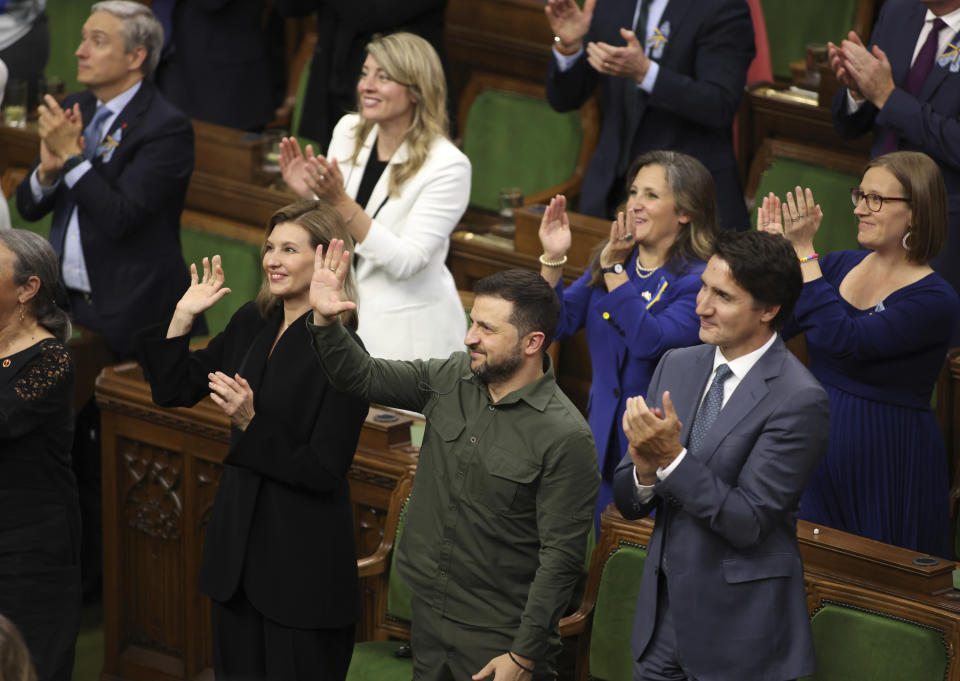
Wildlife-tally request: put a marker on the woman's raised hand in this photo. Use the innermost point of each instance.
(621, 242)
(199, 297)
(801, 220)
(294, 166)
(768, 215)
(555, 229)
(326, 287)
(203, 293)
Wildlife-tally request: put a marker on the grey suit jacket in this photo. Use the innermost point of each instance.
(725, 537)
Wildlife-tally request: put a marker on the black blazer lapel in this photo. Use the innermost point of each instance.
(674, 15)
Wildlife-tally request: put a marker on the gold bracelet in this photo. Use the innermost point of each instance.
(547, 263)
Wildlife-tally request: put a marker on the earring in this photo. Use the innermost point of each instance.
(21, 312)
(906, 237)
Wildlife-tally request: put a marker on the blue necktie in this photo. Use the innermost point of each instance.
(709, 409)
(91, 140)
(93, 133)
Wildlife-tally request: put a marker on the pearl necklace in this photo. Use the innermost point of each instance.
(644, 272)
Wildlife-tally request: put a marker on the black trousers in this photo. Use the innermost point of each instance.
(249, 647)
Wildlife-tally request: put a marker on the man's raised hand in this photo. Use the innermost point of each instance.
(330, 270)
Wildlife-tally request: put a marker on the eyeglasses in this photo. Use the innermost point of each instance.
(874, 201)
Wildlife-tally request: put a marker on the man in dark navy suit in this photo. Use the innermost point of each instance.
(114, 165)
(733, 434)
(671, 74)
(906, 90)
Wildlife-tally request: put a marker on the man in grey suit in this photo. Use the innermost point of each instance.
(736, 430)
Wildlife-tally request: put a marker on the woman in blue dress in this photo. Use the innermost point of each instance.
(878, 323)
(638, 298)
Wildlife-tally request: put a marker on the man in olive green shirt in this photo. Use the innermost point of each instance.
(497, 523)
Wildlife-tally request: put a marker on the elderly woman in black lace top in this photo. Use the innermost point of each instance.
(39, 511)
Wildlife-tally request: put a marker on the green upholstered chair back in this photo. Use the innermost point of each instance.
(791, 26)
(610, 657)
(241, 266)
(857, 643)
(514, 139)
(377, 659)
(399, 594)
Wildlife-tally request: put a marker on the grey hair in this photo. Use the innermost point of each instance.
(141, 28)
(34, 257)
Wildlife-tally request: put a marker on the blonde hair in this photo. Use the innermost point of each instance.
(411, 61)
(322, 223)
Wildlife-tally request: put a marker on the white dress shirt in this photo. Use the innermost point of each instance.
(739, 369)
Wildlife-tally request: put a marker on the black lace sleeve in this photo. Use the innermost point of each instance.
(39, 392)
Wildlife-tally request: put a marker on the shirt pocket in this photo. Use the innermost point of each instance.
(510, 482)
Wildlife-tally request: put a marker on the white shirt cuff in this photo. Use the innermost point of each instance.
(79, 171)
(853, 106)
(650, 79)
(565, 61)
(645, 492)
(38, 190)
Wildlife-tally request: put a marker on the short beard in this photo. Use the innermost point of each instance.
(499, 372)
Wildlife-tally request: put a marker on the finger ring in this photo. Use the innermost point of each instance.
(764, 224)
(626, 237)
(320, 176)
(801, 215)
(332, 269)
(794, 219)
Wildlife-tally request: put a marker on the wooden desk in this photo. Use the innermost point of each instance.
(160, 473)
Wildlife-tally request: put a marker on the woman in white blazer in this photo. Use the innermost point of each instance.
(402, 187)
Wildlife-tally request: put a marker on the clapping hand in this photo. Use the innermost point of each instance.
(630, 61)
(568, 22)
(326, 287)
(234, 396)
(294, 166)
(199, 297)
(768, 215)
(555, 229)
(621, 242)
(653, 435)
(325, 178)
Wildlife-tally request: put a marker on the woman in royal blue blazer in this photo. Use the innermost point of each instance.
(638, 298)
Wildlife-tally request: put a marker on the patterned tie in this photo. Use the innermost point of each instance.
(709, 409)
(92, 134)
(922, 66)
(91, 140)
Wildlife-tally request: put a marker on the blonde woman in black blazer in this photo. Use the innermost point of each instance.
(279, 562)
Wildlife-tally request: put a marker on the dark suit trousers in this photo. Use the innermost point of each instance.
(249, 647)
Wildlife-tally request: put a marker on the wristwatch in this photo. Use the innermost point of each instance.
(71, 163)
(613, 269)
